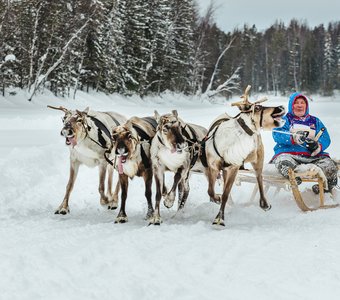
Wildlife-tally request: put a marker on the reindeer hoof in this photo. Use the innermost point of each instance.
(112, 205)
(168, 201)
(155, 220)
(216, 200)
(168, 204)
(219, 221)
(121, 220)
(265, 206)
(104, 201)
(149, 215)
(268, 207)
(62, 211)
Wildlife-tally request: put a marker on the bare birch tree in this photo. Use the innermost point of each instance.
(200, 54)
(42, 77)
(230, 85)
(33, 49)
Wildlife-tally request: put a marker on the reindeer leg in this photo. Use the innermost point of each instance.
(164, 190)
(113, 198)
(109, 181)
(113, 204)
(159, 179)
(169, 199)
(63, 208)
(148, 192)
(102, 174)
(124, 183)
(183, 191)
(180, 193)
(258, 167)
(229, 175)
(212, 176)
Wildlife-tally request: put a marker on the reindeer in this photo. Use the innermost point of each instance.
(174, 148)
(233, 141)
(130, 155)
(87, 134)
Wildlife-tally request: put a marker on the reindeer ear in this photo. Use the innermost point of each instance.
(86, 110)
(175, 113)
(157, 116)
(128, 126)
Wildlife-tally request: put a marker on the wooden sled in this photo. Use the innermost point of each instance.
(308, 176)
(279, 182)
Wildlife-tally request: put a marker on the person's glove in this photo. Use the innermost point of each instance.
(313, 147)
(299, 137)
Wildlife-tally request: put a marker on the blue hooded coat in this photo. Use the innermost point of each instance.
(285, 142)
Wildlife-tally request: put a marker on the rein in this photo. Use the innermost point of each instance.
(213, 128)
(244, 126)
(195, 144)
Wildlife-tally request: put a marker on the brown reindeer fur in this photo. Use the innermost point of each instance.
(131, 156)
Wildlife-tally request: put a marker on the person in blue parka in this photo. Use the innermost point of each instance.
(303, 139)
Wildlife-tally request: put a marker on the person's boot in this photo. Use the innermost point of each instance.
(316, 189)
(298, 180)
(284, 166)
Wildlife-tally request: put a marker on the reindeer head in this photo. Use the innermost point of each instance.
(74, 125)
(170, 131)
(263, 116)
(124, 141)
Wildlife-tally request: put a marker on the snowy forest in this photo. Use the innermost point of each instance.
(147, 47)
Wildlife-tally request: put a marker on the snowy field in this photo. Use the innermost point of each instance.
(279, 254)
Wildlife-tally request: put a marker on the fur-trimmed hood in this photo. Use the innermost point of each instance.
(292, 99)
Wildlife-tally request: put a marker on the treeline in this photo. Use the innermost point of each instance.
(143, 47)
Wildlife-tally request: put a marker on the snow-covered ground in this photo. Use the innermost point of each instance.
(279, 254)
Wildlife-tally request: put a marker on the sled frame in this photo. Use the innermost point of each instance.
(279, 182)
(310, 176)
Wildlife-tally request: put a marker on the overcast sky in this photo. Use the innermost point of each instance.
(263, 13)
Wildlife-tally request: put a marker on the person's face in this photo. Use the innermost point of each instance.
(299, 107)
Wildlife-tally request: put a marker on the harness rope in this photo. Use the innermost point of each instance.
(195, 145)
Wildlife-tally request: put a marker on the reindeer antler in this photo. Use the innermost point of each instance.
(245, 98)
(263, 99)
(58, 108)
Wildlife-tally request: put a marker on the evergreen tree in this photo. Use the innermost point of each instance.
(113, 41)
(337, 55)
(310, 68)
(137, 46)
(327, 65)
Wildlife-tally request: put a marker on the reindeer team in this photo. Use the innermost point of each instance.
(148, 147)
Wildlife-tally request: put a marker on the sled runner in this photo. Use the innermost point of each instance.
(309, 176)
(271, 178)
